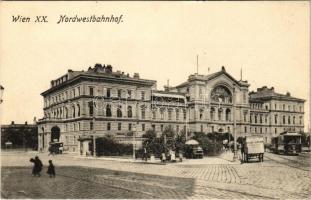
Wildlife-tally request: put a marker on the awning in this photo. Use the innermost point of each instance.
(192, 142)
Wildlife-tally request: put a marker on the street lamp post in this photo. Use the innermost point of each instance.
(234, 125)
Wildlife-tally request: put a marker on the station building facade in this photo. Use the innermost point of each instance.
(81, 105)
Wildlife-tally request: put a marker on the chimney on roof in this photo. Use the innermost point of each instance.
(70, 70)
(136, 75)
(26, 122)
(272, 89)
(288, 94)
(223, 69)
(12, 123)
(109, 69)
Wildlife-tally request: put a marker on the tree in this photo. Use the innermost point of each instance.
(211, 143)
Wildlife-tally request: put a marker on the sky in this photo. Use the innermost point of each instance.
(269, 41)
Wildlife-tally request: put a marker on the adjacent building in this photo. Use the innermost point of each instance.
(82, 105)
(19, 136)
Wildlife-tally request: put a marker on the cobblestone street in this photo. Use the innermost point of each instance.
(278, 177)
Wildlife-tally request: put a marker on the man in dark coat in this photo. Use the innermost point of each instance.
(51, 169)
(37, 166)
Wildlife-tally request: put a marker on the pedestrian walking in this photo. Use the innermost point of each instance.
(145, 157)
(242, 152)
(33, 168)
(37, 167)
(51, 169)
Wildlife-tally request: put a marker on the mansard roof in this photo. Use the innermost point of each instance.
(197, 77)
(97, 73)
(264, 93)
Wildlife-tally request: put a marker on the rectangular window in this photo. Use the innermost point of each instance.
(119, 126)
(130, 127)
(154, 114)
(74, 93)
(177, 128)
(91, 89)
(245, 129)
(108, 126)
(185, 114)
(79, 92)
(161, 127)
(108, 93)
(143, 127)
(91, 126)
(91, 108)
(153, 127)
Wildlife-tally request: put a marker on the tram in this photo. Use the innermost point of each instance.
(288, 143)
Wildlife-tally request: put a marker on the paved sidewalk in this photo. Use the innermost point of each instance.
(225, 158)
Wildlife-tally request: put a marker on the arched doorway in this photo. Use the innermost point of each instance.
(55, 134)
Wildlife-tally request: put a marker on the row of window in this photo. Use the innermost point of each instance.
(62, 96)
(258, 119)
(107, 92)
(64, 112)
(289, 107)
(288, 119)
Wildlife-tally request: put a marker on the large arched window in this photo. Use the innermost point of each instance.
(284, 120)
(108, 110)
(201, 114)
(288, 119)
(228, 115)
(73, 112)
(212, 113)
(78, 110)
(129, 112)
(221, 94)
